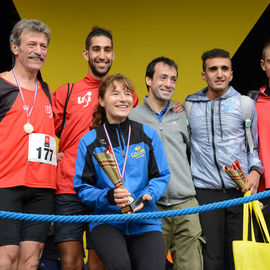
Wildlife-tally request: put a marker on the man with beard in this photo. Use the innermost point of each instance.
(82, 100)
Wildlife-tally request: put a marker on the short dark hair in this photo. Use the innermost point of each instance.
(97, 31)
(265, 47)
(215, 53)
(150, 70)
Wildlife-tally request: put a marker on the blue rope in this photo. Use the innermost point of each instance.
(135, 216)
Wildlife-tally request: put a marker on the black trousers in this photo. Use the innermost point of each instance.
(220, 227)
(121, 252)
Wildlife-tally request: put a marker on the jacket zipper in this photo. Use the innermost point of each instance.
(162, 140)
(122, 140)
(214, 146)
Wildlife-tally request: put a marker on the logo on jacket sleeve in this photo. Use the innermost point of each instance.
(138, 153)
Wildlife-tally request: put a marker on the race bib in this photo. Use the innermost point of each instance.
(42, 148)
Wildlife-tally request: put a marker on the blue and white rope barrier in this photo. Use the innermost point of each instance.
(135, 216)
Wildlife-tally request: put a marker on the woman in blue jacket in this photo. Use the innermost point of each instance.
(134, 152)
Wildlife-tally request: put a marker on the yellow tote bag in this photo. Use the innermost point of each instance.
(252, 255)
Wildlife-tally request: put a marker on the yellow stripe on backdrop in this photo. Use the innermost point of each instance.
(142, 30)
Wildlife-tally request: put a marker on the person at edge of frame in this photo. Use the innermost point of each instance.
(28, 147)
(262, 106)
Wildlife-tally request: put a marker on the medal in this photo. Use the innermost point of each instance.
(123, 152)
(28, 128)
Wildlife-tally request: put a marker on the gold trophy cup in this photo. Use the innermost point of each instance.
(108, 164)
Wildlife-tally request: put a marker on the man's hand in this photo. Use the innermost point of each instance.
(178, 106)
(252, 183)
(59, 156)
(121, 196)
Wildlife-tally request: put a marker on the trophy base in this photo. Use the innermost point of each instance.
(130, 207)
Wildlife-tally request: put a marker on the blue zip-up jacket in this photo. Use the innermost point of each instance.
(147, 171)
(218, 138)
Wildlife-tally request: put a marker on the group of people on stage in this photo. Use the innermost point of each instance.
(116, 156)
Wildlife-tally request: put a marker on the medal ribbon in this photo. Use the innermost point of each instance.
(108, 137)
(26, 106)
